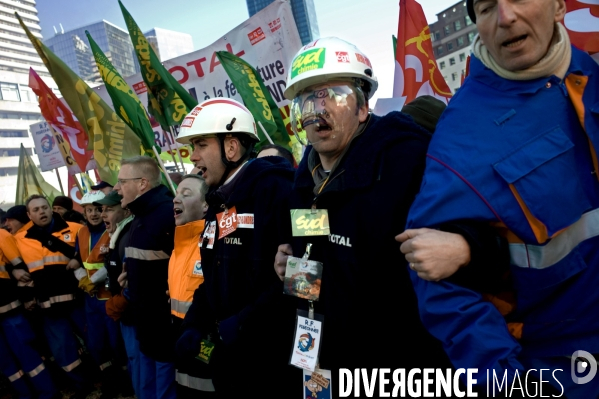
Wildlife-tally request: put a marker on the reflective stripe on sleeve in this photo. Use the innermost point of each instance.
(56, 299)
(10, 306)
(180, 306)
(16, 261)
(15, 376)
(36, 370)
(71, 366)
(145, 254)
(200, 384)
(544, 256)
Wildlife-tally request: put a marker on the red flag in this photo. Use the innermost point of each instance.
(416, 70)
(60, 117)
(582, 23)
(467, 71)
(75, 193)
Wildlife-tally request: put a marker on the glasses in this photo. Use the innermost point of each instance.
(122, 181)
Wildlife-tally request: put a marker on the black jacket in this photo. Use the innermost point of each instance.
(147, 254)
(55, 280)
(370, 311)
(239, 278)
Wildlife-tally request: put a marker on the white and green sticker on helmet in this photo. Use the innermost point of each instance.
(308, 61)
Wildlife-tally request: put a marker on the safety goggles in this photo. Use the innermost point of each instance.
(311, 106)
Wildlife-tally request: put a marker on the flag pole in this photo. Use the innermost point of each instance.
(264, 131)
(178, 152)
(168, 178)
(170, 149)
(59, 181)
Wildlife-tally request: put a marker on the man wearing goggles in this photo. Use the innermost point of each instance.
(362, 172)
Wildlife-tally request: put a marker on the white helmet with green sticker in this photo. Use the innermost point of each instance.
(328, 59)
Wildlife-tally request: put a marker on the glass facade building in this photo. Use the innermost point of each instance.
(304, 14)
(73, 48)
(169, 44)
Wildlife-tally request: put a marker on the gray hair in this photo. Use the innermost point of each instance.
(148, 167)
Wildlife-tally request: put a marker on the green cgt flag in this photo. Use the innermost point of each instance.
(30, 181)
(257, 99)
(168, 101)
(124, 100)
(109, 137)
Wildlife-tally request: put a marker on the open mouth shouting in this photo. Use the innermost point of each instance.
(514, 42)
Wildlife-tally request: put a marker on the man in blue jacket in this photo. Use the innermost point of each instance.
(517, 148)
(147, 254)
(237, 321)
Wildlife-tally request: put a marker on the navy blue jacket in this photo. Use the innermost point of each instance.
(239, 278)
(370, 311)
(151, 242)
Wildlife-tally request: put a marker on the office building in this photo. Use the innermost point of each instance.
(304, 14)
(18, 104)
(169, 44)
(452, 36)
(73, 48)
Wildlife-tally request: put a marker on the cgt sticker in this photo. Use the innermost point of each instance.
(342, 56)
(188, 121)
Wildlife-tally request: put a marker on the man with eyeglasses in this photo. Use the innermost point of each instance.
(151, 241)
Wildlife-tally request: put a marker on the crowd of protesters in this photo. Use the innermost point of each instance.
(430, 238)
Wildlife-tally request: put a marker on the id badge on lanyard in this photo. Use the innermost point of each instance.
(302, 279)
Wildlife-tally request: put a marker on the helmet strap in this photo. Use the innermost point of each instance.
(231, 165)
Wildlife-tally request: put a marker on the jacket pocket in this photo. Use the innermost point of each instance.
(542, 174)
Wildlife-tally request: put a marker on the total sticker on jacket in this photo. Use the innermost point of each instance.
(66, 237)
(197, 269)
(310, 222)
(227, 222)
(306, 343)
(317, 384)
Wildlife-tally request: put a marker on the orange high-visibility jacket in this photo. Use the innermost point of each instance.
(185, 267)
(53, 283)
(9, 255)
(94, 260)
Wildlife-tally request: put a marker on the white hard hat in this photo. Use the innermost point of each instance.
(217, 115)
(328, 59)
(91, 197)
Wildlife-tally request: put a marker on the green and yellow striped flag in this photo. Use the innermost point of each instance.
(109, 137)
(257, 99)
(168, 101)
(30, 181)
(124, 100)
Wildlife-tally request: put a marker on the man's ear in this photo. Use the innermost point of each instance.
(363, 112)
(560, 11)
(232, 148)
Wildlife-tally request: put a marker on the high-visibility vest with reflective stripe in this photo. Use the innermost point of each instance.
(9, 253)
(37, 257)
(185, 268)
(94, 260)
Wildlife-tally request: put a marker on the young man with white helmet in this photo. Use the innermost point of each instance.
(92, 246)
(362, 172)
(238, 309)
